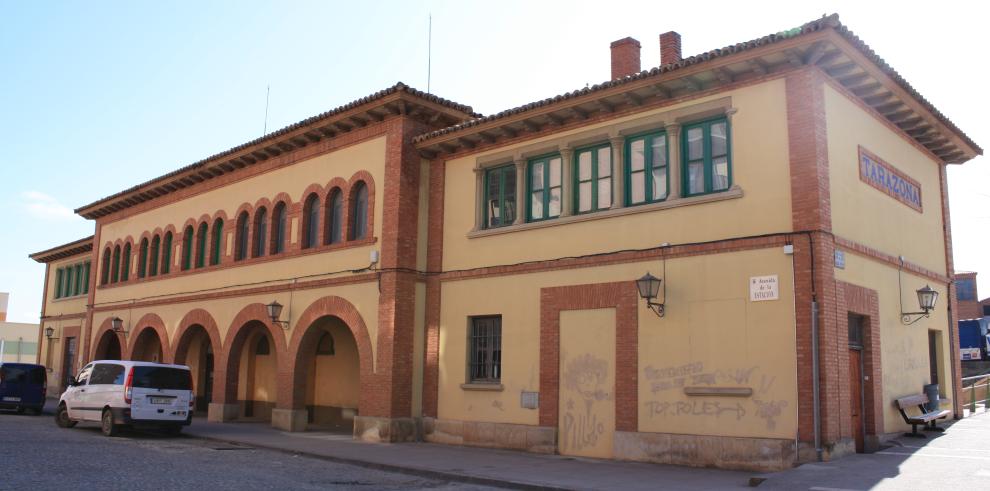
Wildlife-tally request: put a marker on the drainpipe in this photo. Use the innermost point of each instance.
(816, 410)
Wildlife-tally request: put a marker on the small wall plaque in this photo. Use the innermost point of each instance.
(530, 400)
(840, 259)
(763, 288)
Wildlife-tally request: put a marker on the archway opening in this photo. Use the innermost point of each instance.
(328, 356)
(196, 351)
(148, 347)
(257, 370)
(108, 347)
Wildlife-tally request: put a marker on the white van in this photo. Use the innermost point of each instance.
(128, 393)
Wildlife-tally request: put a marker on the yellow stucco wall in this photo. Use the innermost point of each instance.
(867, 215)
(760, 166)
(712, 335)
(343, 163)
(904, 349)
(335, 380)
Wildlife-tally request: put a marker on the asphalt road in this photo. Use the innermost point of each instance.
(35, 454)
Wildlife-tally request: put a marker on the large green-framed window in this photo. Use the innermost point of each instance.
(593, 178)
(646, 168)
(217, 239)
(77, 286)
(115, 274)
(705, 147)
(201, 245)
(500, 196)
(59, 273)
(85, 286)
(153, 259)
(543, 184)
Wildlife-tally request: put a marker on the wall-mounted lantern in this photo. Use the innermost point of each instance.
(274, 312)
(926, 302)
(117, 324)
(49, 332)
(649, 288)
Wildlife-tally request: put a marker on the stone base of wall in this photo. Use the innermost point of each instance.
(219, 413)
(290, 419)
(537, 439)
(385, 430)
(755, 454)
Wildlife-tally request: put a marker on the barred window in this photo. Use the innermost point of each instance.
(486, 349)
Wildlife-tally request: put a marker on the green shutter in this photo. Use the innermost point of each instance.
(58, 283)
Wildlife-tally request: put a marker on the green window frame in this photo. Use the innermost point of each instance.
(167, 253)
(217, 240)
(77, 285)
(115, 276)
(647, 169)
(201, 244)
(156, 244)
(67, 283)
(58, 282)
(187, 246)
(593, 178)
(143, 258)
(544, 188)
(706, 154)
(500, 196)
(85, 286)
(125, 266)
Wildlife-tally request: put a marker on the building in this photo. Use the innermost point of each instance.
(18, 340)
(970, 306)
(404, 268)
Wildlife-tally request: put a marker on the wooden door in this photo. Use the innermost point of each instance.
(856, 396)
(587, 383)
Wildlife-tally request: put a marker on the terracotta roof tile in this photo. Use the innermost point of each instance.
(831, 21)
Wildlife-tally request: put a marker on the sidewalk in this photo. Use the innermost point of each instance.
(491, 467)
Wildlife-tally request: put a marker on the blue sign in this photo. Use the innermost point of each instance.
(884, 177)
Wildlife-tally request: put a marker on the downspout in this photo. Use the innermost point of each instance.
(816, 410)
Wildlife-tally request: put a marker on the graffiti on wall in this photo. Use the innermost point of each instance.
(586, 378)
(667, 384)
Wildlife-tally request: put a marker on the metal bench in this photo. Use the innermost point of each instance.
(926, 417)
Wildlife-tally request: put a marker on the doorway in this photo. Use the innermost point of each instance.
(586, 424)
(856, 393)
(68, 362)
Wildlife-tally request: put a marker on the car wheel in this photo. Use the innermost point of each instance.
(62, 417)
(107, 425)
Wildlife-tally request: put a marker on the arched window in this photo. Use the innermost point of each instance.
(241, 246)
(125, 266)
(260, 232)
(217, 239)
(153, 260)
(115, 268)
(325, 346)
(105, 275)
(167, 253)
(335, 218)
(187, 247)
(311, 220)
(278, 228)
(143, 258)
(359, 212)
(201, 244)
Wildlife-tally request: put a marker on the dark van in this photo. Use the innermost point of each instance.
(23, 386)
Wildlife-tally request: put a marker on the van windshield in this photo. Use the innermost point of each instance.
(165, 378)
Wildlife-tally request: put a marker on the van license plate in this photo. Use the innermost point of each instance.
(12, 399)
(161, 400)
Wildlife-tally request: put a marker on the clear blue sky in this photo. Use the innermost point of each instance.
(98, 96)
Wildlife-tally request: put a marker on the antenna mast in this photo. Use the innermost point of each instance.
(268, 91)
(429, 52)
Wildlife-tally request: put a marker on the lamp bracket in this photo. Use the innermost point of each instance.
(656, 307)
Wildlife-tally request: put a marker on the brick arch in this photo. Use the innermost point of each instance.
(105, 327)
(190, 222)
(169, 228)
(219, 214)
(283, 196)
(148, 321)
(369, 181)
(225, 372)
(183, 335)
(304, 338)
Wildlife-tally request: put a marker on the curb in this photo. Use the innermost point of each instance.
(413, 471)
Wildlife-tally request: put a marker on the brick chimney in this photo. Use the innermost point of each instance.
(670, 48)
(625, 57)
